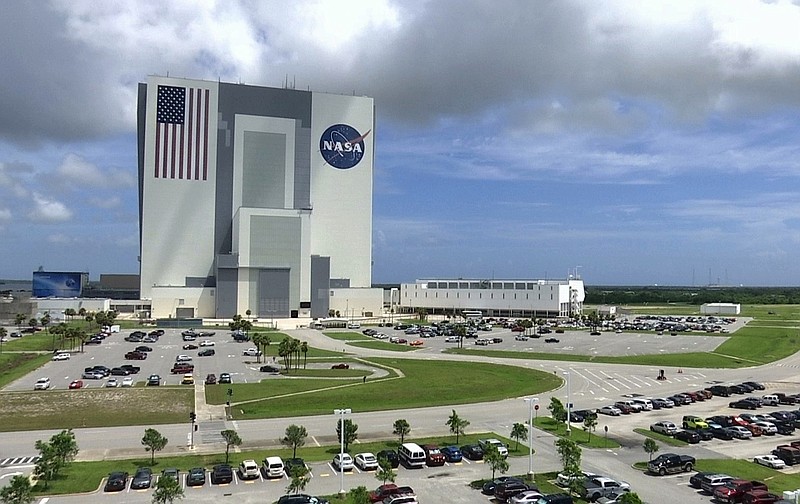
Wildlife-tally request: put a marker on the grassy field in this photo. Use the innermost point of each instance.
(749, 470)
(64, 409)
(443, 382)
(86, 476)
(382, 345)
(16, 365)
(347, 336)
(577, 433)
(40, 341)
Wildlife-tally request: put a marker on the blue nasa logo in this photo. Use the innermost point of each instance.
(342, 146)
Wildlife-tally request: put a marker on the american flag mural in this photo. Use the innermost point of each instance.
(181, 146)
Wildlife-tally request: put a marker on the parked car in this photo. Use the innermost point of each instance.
(489, 487)
(112, 382)
(143, 478)
(770, 461)
(127, 381)
(451, 453)
(211, 379)
(189, 346)
(343, 462)
(269, 368)
(248, 469)
(507, 490)
(171, 472)
(710, 482)
(694, 480)
(669, 463)
(153, 380)
(740, 432)
(366, 461)
(392, 457)
(433, 455)
(743, 404)
(610, 410)
(183, 358)
(341, 365)
(526, 497)
(61, 356)
(689, 436)
(221, 474)
(301, 499)
(116, 482)
(76, 384)
(207, 352)
(224, 378)
(664, 427)
(660, 402)
(472, 452)
(42, 384)
(207, 343)
(188, 379)
(252, 352)
(388, 490)
(196, 477)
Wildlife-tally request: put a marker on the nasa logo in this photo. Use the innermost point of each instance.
(342, 146)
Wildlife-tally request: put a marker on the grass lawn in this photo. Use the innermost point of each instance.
(269, 387)
(382, 345)
(347, 336)
(82, 477)
(443, 382)
(40, 341)
(64, 409)
(577, 433)
(16, 365)
(331, 373)
(668, 440)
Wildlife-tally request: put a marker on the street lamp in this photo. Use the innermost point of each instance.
(569, 400)
(531, 401)
(342, 413)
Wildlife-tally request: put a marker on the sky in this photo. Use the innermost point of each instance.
(631, 143)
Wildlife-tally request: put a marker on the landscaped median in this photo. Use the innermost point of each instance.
(80, 477)
(668, 440)
(444, 383)
(584, 438)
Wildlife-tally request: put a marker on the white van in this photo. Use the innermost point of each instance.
(646, 404)
(411, 455)
(273, 467)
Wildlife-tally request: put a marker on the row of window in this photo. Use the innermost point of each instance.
(480, 295)
(486, 284)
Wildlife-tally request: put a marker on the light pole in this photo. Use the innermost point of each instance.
(569, 399)
(341, 413)
(531, 401)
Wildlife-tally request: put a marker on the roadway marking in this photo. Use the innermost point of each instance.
(315, 441)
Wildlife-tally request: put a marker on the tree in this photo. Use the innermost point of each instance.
(231, 438)
(258, 341)
(461, 332)
(45, 320)
(3, 334)
(557, 410)
(630, 498)
(167, 490)
(153, 441)
(19, 319)
(401, 428)
(350, 432)
(589, 425)
(385, 471)
(294, 438)
(300, 478)
(69, 312)
(570, 454)
(65, 448)
(650, 446)
(359, 495)
(497, 462)
(456, 424)
(304, 350)
(46, 467)
(519, 431)
(18, 491)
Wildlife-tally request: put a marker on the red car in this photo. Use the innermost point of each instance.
(76, 384)
(341, 366)
(417, 342)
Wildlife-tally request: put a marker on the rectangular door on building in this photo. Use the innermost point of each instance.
(273, 292)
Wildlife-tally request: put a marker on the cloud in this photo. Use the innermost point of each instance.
(5, 216)
(78, 172)
(48, 210)
(105, 202)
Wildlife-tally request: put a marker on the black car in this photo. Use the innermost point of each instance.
(722, 433)
(505, 491)
(722, 420)
(489, 486)
(737, 389)
(391, 456)
(153, 380)
(747, 388)
(143, 349)
(142, 479)
(742, 404)
(117, 481)
(206, 352)
(705, 434)
(783, 416)
(690, 437)
(221, 474)
(301, 499)
(269, 368)
(472, 452)
(131, 368)
(224, 378)
(120, 371)
(196, 477)
(697, 478)
(292, 464)
(755, 385)
(720, 390)
(551, 340)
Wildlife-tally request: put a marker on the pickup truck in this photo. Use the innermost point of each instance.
(669, 463)
(501, 448)
(594, 488)
(733, 491)
(389, 490)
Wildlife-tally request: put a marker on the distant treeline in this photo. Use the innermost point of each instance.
(691, 295)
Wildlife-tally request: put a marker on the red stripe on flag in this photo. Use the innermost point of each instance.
(158, 142)
(164, 160)
(180, 157)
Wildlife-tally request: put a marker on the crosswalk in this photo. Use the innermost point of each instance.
(598, 382)
(17, 461)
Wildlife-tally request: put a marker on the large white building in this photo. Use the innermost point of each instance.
(252, 198)
(497, 298)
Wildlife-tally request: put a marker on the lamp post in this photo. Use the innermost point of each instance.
(341, 413)
(531, 401)
(569, 400)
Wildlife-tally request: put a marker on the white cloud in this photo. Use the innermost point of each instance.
(77, 171)
(48, 210)
(5, 215)
(105, 202)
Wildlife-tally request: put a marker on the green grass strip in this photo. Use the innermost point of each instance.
(668, 440)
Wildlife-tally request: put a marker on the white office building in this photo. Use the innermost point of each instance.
(495, 298)
(252, 198)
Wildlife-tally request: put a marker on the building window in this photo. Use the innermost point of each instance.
(508, 285)
(474, 285)
(452, 285)
(181, 301)
(463, 285)
(431, 285)
(519, 285)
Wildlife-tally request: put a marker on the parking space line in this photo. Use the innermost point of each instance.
(625, 378)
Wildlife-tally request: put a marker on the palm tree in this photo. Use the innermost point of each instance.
(19, 319)
(258, 341)
(304, 349)
(519, 431)
(3, 334)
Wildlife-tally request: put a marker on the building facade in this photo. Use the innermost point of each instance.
(252, 198)
(495, 298)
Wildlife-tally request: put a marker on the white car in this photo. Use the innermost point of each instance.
(611, 410)
(252, 352)
(526, 497)
(770, 461)
(354, 325)
(563, 480)
(127, 381)
(61, 356)
(183, 358)
(112, 383)
(521, 337)
(451, 339)
(767, 428)
(343, 462)
(666, 428)
(366, 461)
(42, 384)
(206, 343)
